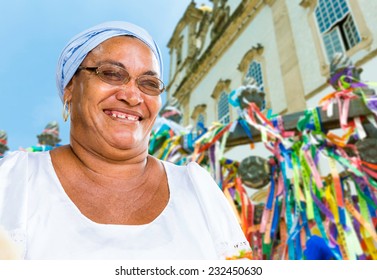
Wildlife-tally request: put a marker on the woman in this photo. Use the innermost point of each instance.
(103, 196)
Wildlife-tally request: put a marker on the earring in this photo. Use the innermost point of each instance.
(66, 110)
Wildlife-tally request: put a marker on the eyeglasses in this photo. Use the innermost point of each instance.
(116, 75)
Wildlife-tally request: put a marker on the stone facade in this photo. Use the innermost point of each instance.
(214, 48)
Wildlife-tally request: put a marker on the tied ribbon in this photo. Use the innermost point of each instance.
(337, 202)
(51, 131)
(215, 138)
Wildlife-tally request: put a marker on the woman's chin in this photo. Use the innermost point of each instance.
(126, 142)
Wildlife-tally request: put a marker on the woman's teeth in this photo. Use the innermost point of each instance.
(124, 116)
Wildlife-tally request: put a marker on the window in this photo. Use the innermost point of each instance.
(201, 120)
(200, 124)
(336, 25)
(223, 115)
(255, 71)
(179, 51)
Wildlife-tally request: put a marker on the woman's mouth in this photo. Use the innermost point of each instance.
(122, 115)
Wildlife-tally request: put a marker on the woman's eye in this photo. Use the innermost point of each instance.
(149, 83)
(113, 75)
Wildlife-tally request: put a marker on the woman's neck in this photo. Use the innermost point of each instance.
(132, 191)
(108, 163)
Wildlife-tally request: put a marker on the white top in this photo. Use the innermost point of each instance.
(197, 223)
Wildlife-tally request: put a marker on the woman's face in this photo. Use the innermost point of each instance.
(105, 116)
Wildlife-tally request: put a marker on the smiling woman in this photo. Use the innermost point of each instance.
(102, 196)
(111, 110)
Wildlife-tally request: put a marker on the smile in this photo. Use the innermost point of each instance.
(122, 115)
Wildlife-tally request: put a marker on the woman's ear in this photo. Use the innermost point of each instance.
(68, 92)
(67, 97)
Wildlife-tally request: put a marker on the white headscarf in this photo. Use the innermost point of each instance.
(80, 45)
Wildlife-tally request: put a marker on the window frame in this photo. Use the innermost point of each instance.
(222, 103)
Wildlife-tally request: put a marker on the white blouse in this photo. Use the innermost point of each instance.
(197, 223)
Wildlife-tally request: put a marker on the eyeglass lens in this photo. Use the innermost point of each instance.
(117, 76)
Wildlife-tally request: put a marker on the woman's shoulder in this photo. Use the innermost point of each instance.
(13, 162)
(203, 180)
(21, 165)
(220, 216)
(190, 168)
(18, 159)
(196, 180)
(21, 154)
(13, 156)
(172, 169)
(14, 195)
(196, 170)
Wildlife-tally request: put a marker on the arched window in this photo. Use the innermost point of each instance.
(179, 51)
(336, 25)
(255, 71)
(200, 122)
(200, 119)
(223, 115)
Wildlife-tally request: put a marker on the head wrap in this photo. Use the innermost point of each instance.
(80, 45)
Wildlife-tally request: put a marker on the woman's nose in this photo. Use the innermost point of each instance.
(130, 93)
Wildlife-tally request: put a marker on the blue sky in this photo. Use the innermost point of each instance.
(32, 35)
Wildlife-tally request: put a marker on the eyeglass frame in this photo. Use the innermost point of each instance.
(94, 69)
